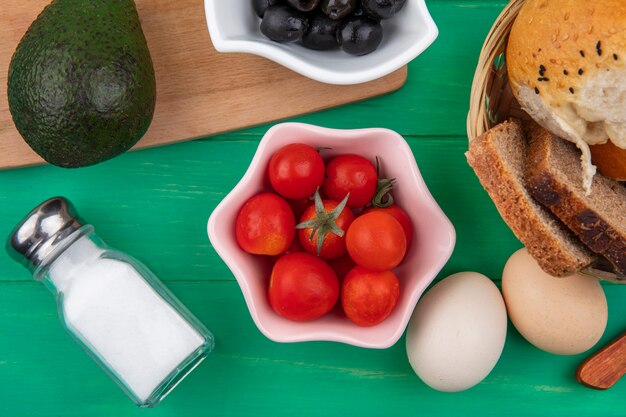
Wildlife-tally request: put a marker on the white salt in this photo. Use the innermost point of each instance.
(121, 318)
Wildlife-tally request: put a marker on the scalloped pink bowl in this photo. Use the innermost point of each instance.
(433, 243)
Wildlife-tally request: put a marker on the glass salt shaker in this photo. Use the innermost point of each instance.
(113, 306)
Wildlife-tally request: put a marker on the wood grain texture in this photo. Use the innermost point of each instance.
(604, 368)
(435, 99)
(154, 204)
(44, 373)
(200, 92)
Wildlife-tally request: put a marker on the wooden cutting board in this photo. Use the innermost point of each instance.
(200, 92)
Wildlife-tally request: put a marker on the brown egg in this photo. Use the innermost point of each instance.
(565, 316)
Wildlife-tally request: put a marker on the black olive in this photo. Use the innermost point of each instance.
(321, 34)
(338, 9)
(304, 5)
(360, 36)
(261, 5)
(382, 9)
(360, 11)
(283, 24)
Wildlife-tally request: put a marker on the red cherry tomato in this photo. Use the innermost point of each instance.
(401, 216)
(296, 171)
(369, 297)
(333, 245)
(376, 241)
(350, 174)
(302, 287)
(265, 225)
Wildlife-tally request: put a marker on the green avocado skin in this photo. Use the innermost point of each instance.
(81, 83)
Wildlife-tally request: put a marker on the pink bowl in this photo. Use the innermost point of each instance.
(433, 242)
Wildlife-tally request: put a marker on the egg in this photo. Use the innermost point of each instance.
(566, 316)
(457, 332)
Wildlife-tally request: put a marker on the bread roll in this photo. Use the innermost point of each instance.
(566, 61)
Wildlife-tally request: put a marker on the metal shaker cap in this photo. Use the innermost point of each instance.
(42, 231)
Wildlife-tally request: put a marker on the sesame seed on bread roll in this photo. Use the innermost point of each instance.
(566, 61)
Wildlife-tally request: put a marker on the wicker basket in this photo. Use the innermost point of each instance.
(491, 99)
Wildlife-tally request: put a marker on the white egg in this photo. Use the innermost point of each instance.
(457, 332)
(566, 316)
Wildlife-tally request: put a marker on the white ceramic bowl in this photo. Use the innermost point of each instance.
(234, 27)
(434, 236)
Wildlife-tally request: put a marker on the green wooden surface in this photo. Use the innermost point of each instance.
(155, 203)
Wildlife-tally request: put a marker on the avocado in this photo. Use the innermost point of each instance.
(81, 83)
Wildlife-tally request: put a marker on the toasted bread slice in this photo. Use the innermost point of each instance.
(554, 178)
(498, 158)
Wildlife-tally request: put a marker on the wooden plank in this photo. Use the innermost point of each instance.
(199, 92)
(435, 99)
(44, 373)
(154, 204)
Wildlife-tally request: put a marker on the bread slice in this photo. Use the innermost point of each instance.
(554, 178)
(498, 158)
